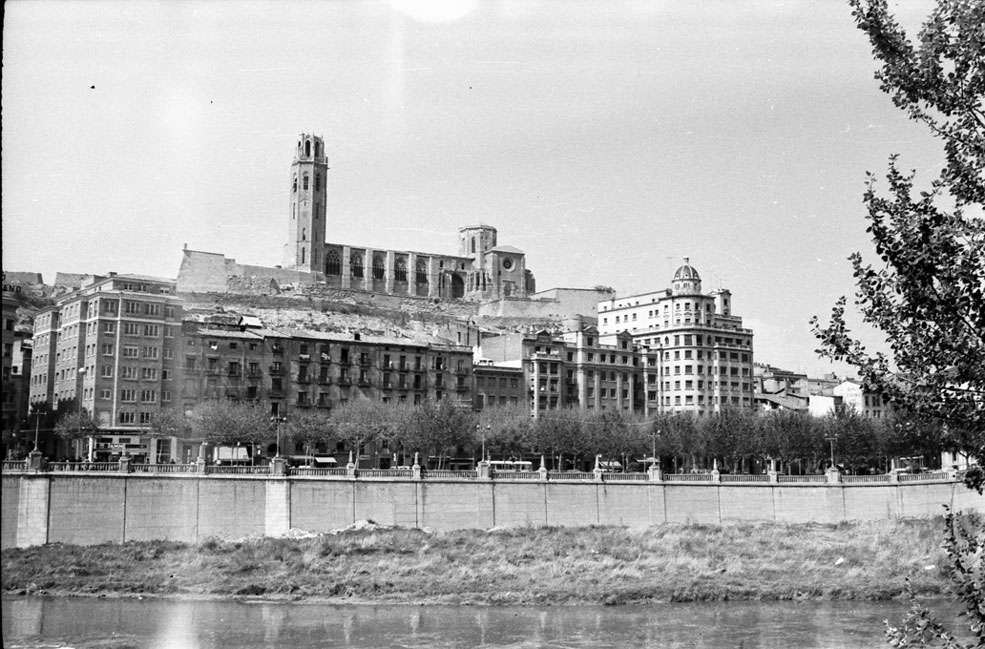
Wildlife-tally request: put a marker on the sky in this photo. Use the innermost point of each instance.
(607, 140)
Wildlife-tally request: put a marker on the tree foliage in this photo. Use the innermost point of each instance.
(927, 292)
(76, 424)
(308, 429)
(227, 422)
(964, 543)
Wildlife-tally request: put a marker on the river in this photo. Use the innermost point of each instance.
(53, 622)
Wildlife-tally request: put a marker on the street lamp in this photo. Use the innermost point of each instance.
(832, 440)
(82, 373)
(277, 422)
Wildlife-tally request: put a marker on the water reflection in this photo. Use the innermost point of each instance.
(164, 624)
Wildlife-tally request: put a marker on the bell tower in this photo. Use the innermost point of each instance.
(309, 197)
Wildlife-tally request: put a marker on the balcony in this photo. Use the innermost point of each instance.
(304, 357)
(324, 380)
(365, 383)
(277, 349)
(461, 372)
(303, 403)
(345, 362)
(234, 373)
(304, 379)
(365, 362)
(325, 357)
(344, 380)
(276, 371)
(461, 387)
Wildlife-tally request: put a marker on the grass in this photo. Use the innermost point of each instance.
(598, 565)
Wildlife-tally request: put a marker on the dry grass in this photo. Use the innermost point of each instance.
(517, 566)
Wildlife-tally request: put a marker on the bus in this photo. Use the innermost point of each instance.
(511, 465)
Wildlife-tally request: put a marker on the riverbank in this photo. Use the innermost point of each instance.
(598, 565)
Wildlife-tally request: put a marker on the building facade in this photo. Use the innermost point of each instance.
(704, 357)
(109, 349)
(573, 369)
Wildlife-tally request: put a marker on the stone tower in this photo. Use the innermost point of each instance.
(475, 241)
(309, 196)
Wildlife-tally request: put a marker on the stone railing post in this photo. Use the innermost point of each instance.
(35, 461)
(893, 477)
(415, 471)
(351, 467)
(833, 475)
(543, 470)
(484, 472)
(278, 466)
(716, 475)
(124, 464)
(598, 469)
(774, 477)
(654, 473)
(200, 465)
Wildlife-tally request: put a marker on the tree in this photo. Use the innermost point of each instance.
(310, 428)
(365, 421)
(927, 296)
(508, 430)
(438, 426)
(78, 424)
(229, 422)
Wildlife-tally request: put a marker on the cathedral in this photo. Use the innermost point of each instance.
(482, 269)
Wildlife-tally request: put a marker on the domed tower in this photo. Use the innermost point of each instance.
(686, 280)
(309, 196)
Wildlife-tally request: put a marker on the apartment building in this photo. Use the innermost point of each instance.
(704, 357)
(108, 349)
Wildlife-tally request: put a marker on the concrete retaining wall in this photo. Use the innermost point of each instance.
(99, 508)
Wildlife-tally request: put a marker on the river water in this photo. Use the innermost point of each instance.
(54, 622)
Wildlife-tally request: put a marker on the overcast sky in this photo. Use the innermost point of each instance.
(607, 140)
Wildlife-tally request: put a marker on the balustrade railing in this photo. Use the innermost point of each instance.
(625, 477)
(385, 473)
(447, 473)
(238, 470)
(23, 466)
(687, 477)
(311, 471)
(802, 478)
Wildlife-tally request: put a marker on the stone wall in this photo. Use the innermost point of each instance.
(100, 508)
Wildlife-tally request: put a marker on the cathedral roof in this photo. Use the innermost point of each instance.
(511, 249)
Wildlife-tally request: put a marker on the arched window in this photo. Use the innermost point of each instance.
(400, 270)
(333, 266)
(355, 264)
(307, 148)
(379, 265)
(317, 182)
(295, 189)
(304, 182)
(473, 244)
(304, 234)
(302, 255)
(421, 272)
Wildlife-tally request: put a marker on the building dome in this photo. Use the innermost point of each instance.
(686, 279)
(687, 271)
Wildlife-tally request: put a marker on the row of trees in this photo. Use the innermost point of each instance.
(739, 440)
